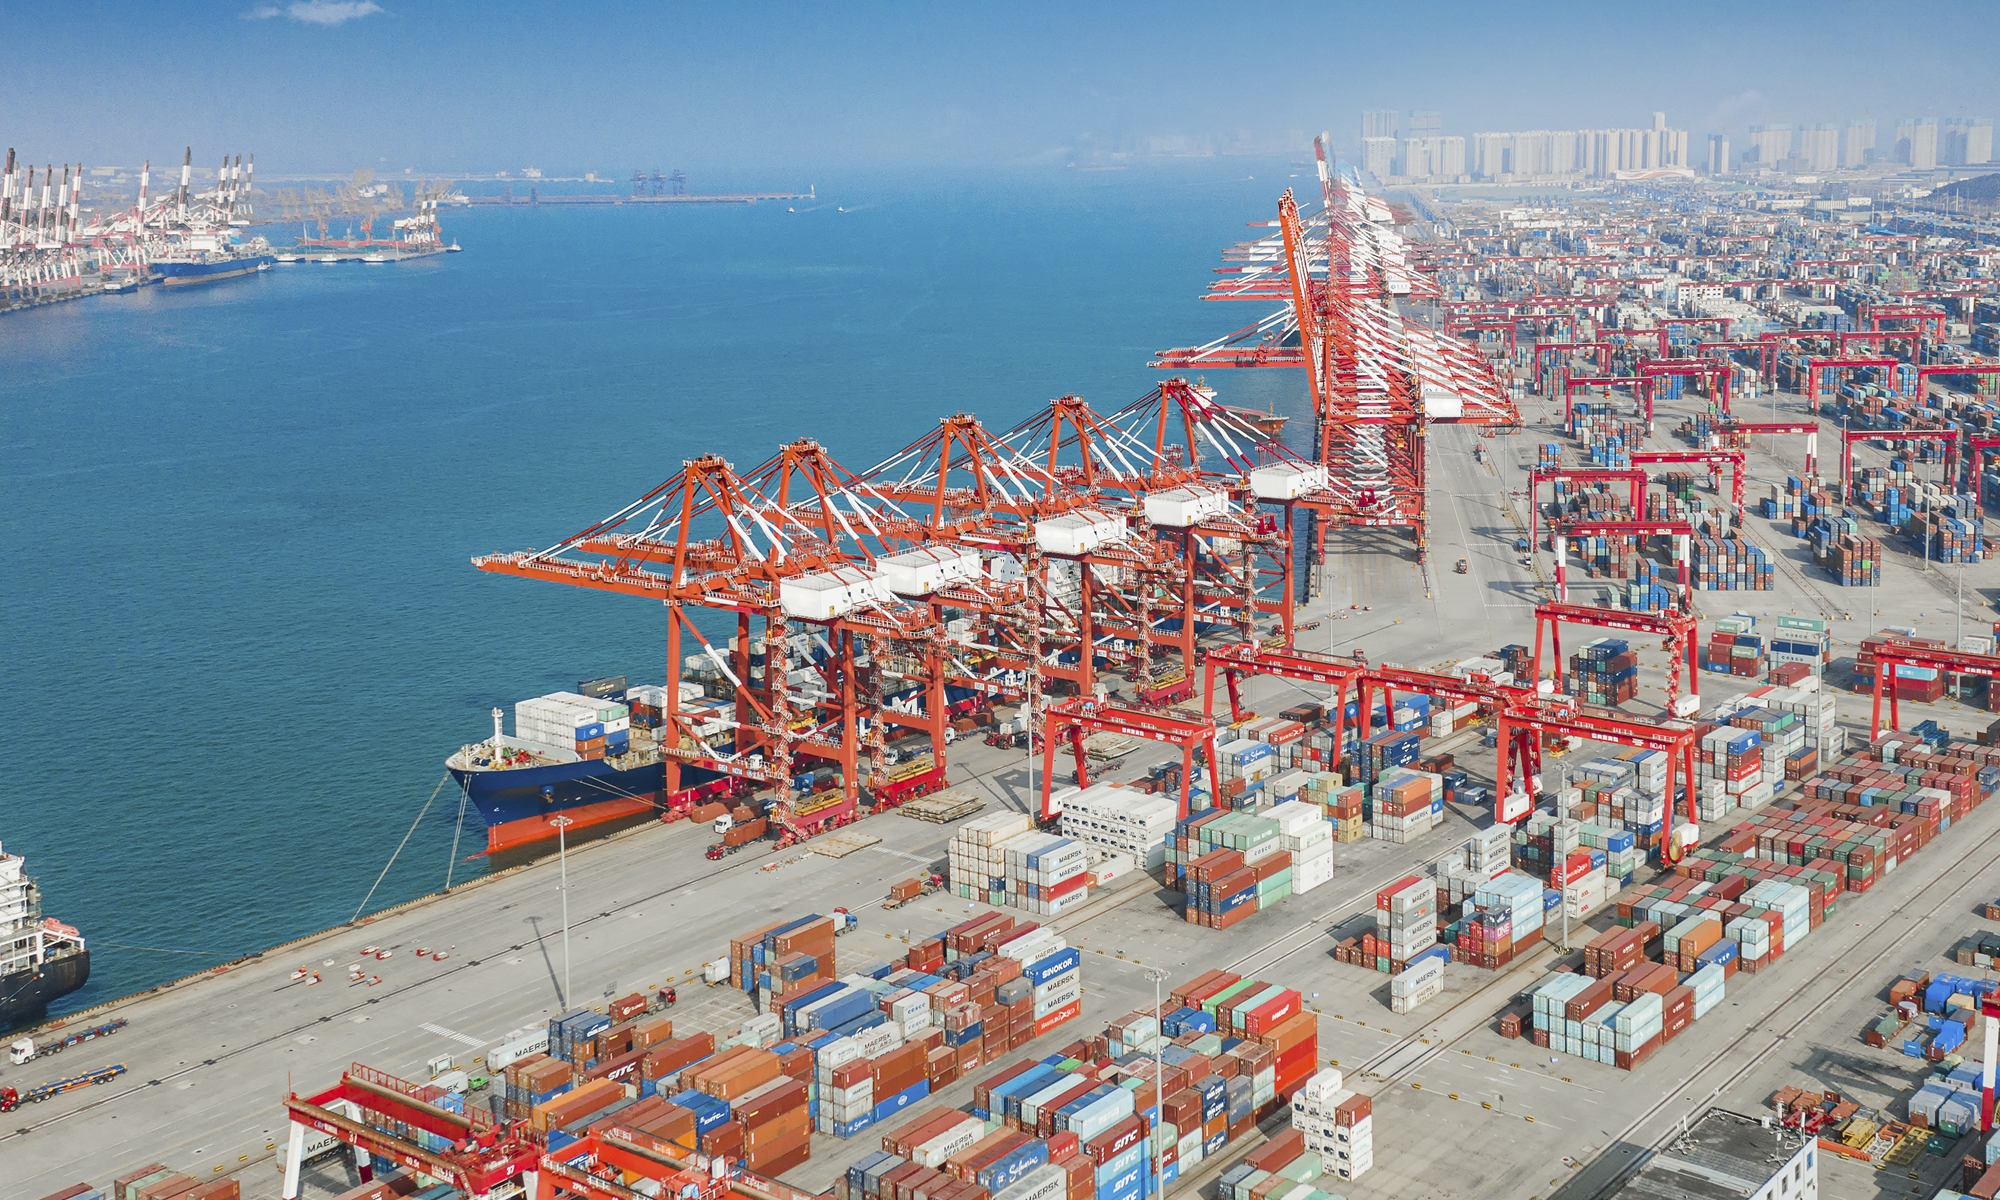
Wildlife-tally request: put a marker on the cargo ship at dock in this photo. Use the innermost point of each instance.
(41, 959)
(593, 759)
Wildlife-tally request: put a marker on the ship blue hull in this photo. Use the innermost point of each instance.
(517, 804)
(209, 272)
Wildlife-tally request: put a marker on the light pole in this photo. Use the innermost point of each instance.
(562, 860)
(1159, 1098)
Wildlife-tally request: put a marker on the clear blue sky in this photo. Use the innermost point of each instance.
(458, 86)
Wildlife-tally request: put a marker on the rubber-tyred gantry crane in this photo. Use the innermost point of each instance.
(367, 1108)
(1677, 626)
(1893, 655)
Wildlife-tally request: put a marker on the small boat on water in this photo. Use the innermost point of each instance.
(1269, 424)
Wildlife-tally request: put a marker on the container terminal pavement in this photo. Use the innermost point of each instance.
(211, 1058)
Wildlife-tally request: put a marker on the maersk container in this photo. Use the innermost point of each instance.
(1046, 1182)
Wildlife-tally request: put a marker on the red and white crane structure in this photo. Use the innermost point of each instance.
(1377, 378)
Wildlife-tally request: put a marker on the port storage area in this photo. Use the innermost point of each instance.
(1451, 1099)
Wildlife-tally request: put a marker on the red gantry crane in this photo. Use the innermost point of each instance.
(1377, 380)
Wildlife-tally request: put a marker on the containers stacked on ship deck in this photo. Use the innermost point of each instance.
(569, 726)
(1090, 1121)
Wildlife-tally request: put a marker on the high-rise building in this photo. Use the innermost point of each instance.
(1378, 123)
(1857, 140)
(1425, 125)
(1451, 156)
(1378, 156)
(1819, 146)
(1599, 153)
(1770, 144)
(1917, 142)
(1718, 154)
(1967, 142)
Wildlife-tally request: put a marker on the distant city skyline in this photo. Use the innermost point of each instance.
(456, 86)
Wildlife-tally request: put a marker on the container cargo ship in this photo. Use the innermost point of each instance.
(208, 257)
(41, 959)
(587, 755)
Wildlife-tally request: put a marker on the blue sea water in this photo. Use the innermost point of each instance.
(240, 630)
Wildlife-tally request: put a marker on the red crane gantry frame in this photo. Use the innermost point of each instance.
(484, 1154)
(1678, 626)
(1728, 432)
(1523, 714)
(1952, 662)
(1073, 718)
(1814, 366)
(1714, 460)
(1850, 436)
(1537, 476)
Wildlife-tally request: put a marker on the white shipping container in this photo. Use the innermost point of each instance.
(1178, 508)
(1079, 533)
(826, 595)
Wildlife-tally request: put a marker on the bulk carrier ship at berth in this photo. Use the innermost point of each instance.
(41, 959)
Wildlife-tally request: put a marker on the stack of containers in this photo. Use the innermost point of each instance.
(1244, 766)
(1517, 897)
(1729, 565)
(1091, 1120)
(1385, 750)
(569, 727)
(1047, 874)
(1802, 640)
(977, 862)
(1405, 921)
(1234, 863)
(1605, 672)
(1729, 765)
(1407, 805)
(1308, 838)
(1337, 1124)
(1420, 981)
(1852, 560)
(1115, 820)
(1340, 803)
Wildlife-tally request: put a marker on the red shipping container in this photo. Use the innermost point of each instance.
(1269, 1015)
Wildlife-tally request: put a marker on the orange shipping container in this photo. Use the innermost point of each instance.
(574, 1105)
